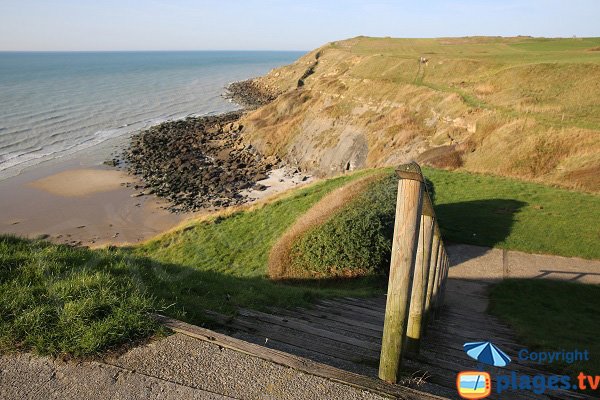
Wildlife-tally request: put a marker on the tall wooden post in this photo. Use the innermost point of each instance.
(420, 280)
(409, 205)
(435, 247)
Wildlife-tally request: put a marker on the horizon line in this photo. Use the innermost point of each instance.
(148, 51)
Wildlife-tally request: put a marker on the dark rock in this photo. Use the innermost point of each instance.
(250, 94)
(196, 163)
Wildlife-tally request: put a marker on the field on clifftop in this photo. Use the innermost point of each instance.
(521, 107)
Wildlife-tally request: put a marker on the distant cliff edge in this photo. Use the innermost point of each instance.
(520, 107)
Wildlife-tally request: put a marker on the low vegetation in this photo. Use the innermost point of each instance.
(63, 300)
(286, 262)
(60, 299)
(511, 214)
(474, 209)
(355, 241)
(567, 310)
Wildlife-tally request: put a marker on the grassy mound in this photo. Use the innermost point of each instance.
(58, 299)
(356, 240)
(568, 310)
(284, 262)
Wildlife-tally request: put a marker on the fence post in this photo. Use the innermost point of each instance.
(409, 205)
(435, 247)
(438, 271)
(441, 281)
(420, 280)
(444, 281)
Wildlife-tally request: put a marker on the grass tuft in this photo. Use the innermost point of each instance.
(64, 300)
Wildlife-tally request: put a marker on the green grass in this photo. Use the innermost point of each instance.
(511, 214)
(356, 240)
(59, 299)
(221, 264)
(473, 209)
(552, 316)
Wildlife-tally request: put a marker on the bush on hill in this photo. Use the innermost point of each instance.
(356, 241)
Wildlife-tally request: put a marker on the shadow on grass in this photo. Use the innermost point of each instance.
(59, 299)
(185, 292)
(480, 222)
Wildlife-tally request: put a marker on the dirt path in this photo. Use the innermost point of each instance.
(489, 265)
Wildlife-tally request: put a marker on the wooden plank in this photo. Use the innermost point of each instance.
(311, 355)
(304, 340)
(343, 307)
(336, 326)
(299, 325)
(340, 318)
(466, 320)
(435, 244)
(375, 303)
(419, 285)
(351, 314)
(295, 362)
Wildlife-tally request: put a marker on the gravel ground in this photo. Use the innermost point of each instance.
(176, 367)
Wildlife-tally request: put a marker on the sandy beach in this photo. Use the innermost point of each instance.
(80, 203)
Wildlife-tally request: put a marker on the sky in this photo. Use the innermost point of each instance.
(71, 25)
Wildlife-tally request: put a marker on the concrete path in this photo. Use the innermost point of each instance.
(489, 265)
(177, 367)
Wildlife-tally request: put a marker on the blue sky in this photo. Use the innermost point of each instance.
(275, 24)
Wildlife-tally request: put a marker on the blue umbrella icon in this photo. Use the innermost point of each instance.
(487, 353)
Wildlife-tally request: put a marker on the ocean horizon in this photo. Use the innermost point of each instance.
(54, 104)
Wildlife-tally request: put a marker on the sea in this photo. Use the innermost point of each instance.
(56, 104)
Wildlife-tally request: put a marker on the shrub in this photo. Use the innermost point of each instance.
(355, 241)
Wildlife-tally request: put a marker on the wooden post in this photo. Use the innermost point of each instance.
(444, 282)
(435, 247)
(409, 205)
(420, 280)
(438, 271)
(438, 297)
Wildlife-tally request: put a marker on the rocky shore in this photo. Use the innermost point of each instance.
(249, 94)
(198, 163)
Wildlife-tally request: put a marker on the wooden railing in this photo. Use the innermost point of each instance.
(418, 272)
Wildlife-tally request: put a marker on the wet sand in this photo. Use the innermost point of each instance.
(75, 203)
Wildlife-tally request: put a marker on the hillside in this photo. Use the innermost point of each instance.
(521, 107)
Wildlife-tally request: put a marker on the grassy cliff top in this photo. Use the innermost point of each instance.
(522, 107)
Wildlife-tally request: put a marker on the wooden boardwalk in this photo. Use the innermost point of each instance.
(346, 333)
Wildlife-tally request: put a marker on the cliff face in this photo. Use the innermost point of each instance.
(522, 107)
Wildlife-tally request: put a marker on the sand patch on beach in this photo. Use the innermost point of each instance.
(80, 182)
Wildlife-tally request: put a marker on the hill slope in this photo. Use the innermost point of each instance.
(521, 107)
